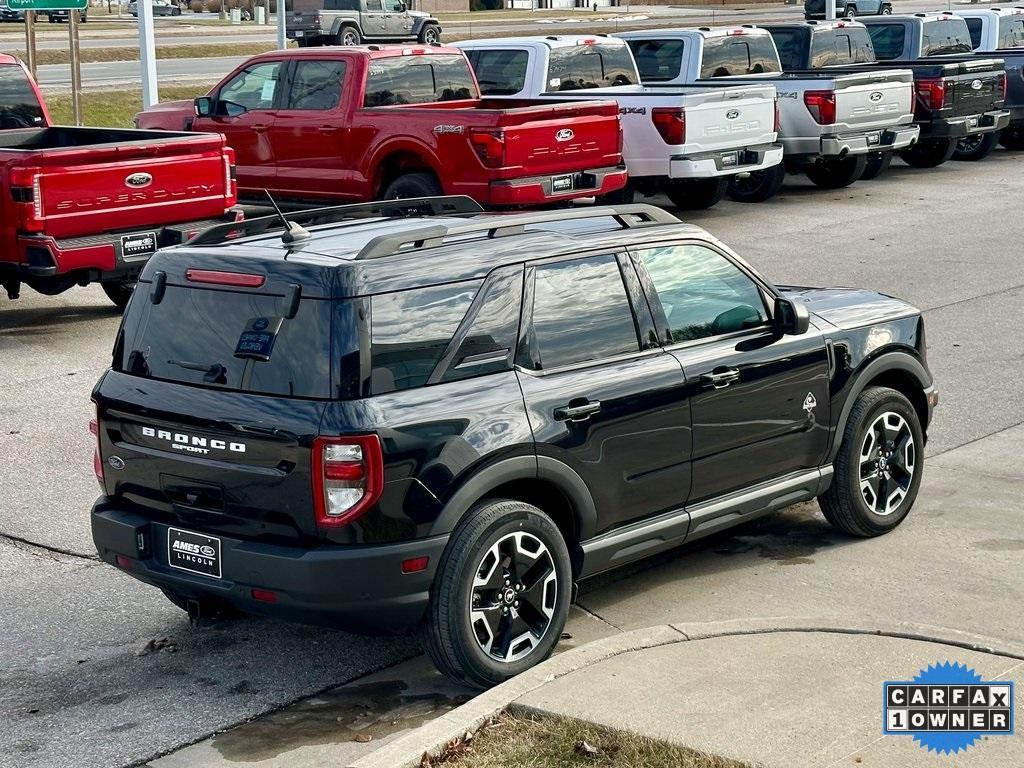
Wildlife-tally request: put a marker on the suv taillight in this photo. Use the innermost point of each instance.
(97, 459)
(931, 91)
(348, 477)
(821, 105)
(671, 124)
(26, 189)
(489, 147)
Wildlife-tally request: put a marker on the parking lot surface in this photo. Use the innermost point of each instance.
(83, 688)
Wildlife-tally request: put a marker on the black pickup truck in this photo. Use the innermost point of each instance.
(958, 97)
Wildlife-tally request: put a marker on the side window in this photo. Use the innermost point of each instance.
(374, 6)
(396, 6)
(316, 85)
(974, 28)
(490, 340)
(252, 88)
(581, 312)
(410, 331)
(499, 73)
(703, 293)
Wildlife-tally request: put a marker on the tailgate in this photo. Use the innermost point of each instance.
(304, 20)
(979, 89)
(729, 118)
(877, 103)
(89, 190)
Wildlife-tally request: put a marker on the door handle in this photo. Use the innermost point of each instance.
(579, 412)
(720, 377)
(261, 128)
(328, 129)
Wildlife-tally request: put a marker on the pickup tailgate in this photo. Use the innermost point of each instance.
(164, 178)
(872, 101)
(977, 87)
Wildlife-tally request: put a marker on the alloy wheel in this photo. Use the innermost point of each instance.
(970, 144)
(888, 457)
(515, 590)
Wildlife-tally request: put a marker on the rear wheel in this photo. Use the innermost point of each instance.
(836, 173)
(349, 36)
(119, 291)
(413, 185)
(850, 12)
(878, 163)
(501, 595)
(757, 186)
(886, 10)
(976, 147)
(696, 194)
(431, 34)
(929, 153)
(1013, 138)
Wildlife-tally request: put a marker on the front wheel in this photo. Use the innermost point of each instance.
(501, 594)
(878, 163)
(757, 186)
(836, 172)
(119, 291)
(879, 466)
(696, 194)
(929, 153)
(430, 35)
(976, 147)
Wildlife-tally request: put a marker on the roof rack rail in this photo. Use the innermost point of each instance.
(431, 236)
(450, 205)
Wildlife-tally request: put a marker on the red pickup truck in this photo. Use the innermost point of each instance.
(83, 205)
(360, 123)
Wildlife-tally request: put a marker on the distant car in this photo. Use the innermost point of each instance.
(815, 9)
(8, 14)
(61, 14)
(160, 8)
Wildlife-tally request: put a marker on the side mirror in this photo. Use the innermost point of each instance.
(204, 106)
(791, 317)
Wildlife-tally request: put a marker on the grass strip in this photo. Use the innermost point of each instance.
(91, 55)
(115, 109)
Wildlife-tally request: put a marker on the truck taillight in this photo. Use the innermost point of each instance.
(821, 105)
(931, 91)
(26, 189)
(671, 124)
(97, 459)
(348, 477)
(1002, 86)
(777, 125)
(489, 147)
(230, 184)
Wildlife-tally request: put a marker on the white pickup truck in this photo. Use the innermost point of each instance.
(830, 121)
(685, 142)
(994, 28)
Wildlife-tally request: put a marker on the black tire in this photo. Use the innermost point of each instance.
(758, 186)
(886, 10)
(430, 34)
(624, 196)
(929, 153)
(119, 292)
(1012, 138)
(413, 185)
(453, 638)
(850, 12)
(878, 163)
(844, 504)
(696, 194)
(976, 147)
(348, 35)
(836, 173)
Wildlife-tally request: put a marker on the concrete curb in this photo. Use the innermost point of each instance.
(407, 751)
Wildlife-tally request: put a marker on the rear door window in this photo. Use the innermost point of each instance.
(888, 40)
(418, 80)
(19, 106)
(574, 67)
(316, 85)
(658, 60)
(501, 72)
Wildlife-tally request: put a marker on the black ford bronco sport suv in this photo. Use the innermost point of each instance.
(413, 415)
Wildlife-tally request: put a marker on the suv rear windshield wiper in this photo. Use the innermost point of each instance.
(214, 373)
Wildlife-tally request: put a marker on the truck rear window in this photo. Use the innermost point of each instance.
(1011, 31)
(418, 80)
(19, 107)
(945, 36)
(227, 340)
(790, 43)
(831, 49)
(499, 72)
(888, 40)
(597, 65)
(974, 29)
(739, 55)
(658, 60)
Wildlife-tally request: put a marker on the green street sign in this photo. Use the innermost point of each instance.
(46, 5)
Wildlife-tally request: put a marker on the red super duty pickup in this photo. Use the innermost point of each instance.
(361, 123)
(84, 205)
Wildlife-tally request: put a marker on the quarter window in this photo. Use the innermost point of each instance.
(252, 88)
(316, 85)
(702, 293)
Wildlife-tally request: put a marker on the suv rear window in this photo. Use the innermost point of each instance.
(739, 55)
(198, 336)
(19, 107)
(418, 80)
(597, 65)
(499, 73)
(658, 60)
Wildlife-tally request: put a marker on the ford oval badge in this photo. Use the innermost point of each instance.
(116, 462)
(138, 180)
(732, 114)
(565, 134)
(876, 96)
(976, 85)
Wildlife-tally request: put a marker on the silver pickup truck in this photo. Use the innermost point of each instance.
(830, 121)
(351, 22)
(688, 143)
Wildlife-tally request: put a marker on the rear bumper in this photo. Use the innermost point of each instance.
(900, 137)
(359, 588)
(306, 33)
(956, 127)
(729, 163)
(539, 190)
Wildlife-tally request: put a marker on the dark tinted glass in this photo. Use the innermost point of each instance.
(410, 331)
(860, 44)
(888, 40)
(703, 293)
(341, 5)
(316, 85)
(193, 334)
(791, 44)
(590, 66)
(490, 340)
(1011, 31)
(581, 312)
(499, 73)
(658, 60)
(974, 28)
(739, 55)
(946, 36)
(19, 107)
(418, 80)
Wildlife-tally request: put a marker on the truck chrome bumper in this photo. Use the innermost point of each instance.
(537, 190)
(900, 137)
(712, 164)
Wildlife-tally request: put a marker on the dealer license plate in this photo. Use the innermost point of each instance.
(139, 244)
(562, 183)
(193, 552)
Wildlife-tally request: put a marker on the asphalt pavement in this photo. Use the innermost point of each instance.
(74, 691)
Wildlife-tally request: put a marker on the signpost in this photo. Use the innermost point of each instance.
(147, 53)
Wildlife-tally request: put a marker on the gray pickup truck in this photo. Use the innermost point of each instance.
(351, 22)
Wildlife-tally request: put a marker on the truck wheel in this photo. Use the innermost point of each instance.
(929, 153)
(1013, 138)
(850, 12)
(119, 291)
(886, 10)
(413, 185)
(838, 172)
(501, 594)
(430, 34)
(696, 194)
(879, 466)
(878, 163)
(349, 36)
(976, 147)
(757, 186)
